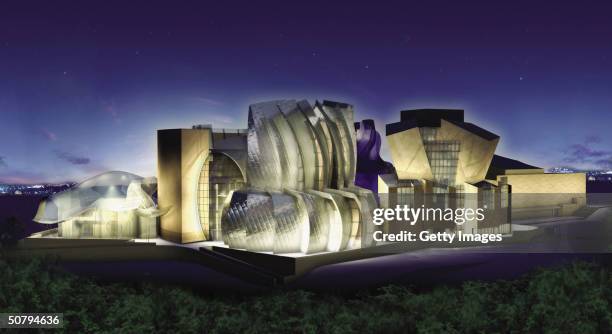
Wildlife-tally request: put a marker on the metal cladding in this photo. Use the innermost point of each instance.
(116, 191)
(110, 205)
(300, 195)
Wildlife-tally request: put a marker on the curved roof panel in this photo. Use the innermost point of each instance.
(114, 191)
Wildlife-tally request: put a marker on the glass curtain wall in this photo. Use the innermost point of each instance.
(219, 178)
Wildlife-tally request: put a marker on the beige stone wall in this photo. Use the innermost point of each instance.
(410, 160)
(475, 154)
(195, 147)
(169, 183)
(545, 195)
(408, 155)
(574, 183)
(181, 154)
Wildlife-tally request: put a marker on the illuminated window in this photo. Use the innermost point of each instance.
(220, 176)
(405, 195)
(355, 226)
(443, 156)
(504, 198)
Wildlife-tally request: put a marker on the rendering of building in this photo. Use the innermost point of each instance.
(442, 160)
(438, 146)
(285, 185)
(198, 169)
(538, 194)
(110, 205)
(300, 195)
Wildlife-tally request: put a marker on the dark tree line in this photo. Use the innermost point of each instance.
(11, 230)
(576, 298)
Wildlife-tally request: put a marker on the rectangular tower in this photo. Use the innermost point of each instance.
(181, 153)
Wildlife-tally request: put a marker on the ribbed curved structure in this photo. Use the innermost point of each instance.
(300, 195)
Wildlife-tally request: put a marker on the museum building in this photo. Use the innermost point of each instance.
(286, 184)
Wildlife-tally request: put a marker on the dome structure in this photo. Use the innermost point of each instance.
(113, 204)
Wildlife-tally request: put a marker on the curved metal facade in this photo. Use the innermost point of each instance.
(110, 205)
(300, 195)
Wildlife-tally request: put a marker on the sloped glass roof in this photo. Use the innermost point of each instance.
(115, 191)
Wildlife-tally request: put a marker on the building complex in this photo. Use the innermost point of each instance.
(286, 184)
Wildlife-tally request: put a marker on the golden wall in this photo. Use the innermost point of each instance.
(410, 159)
(541, 183)
(542, 195)
(475, 152)
(181, 155)
(408, 155)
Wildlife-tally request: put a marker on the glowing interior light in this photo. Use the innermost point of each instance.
(334, 240)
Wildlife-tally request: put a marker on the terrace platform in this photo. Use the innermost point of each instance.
(253, 267)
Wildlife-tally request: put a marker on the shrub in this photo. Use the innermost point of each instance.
(574, 298)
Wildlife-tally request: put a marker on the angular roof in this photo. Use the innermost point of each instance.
(391, 180)
(475, 129)
(397, 127)
(507, 163)
(500, 164)
(334, 104)
(433, 118)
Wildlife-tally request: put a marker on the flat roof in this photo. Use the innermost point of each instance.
(432, 115)
(408, 124)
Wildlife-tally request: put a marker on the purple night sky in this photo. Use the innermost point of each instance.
(84, 86)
